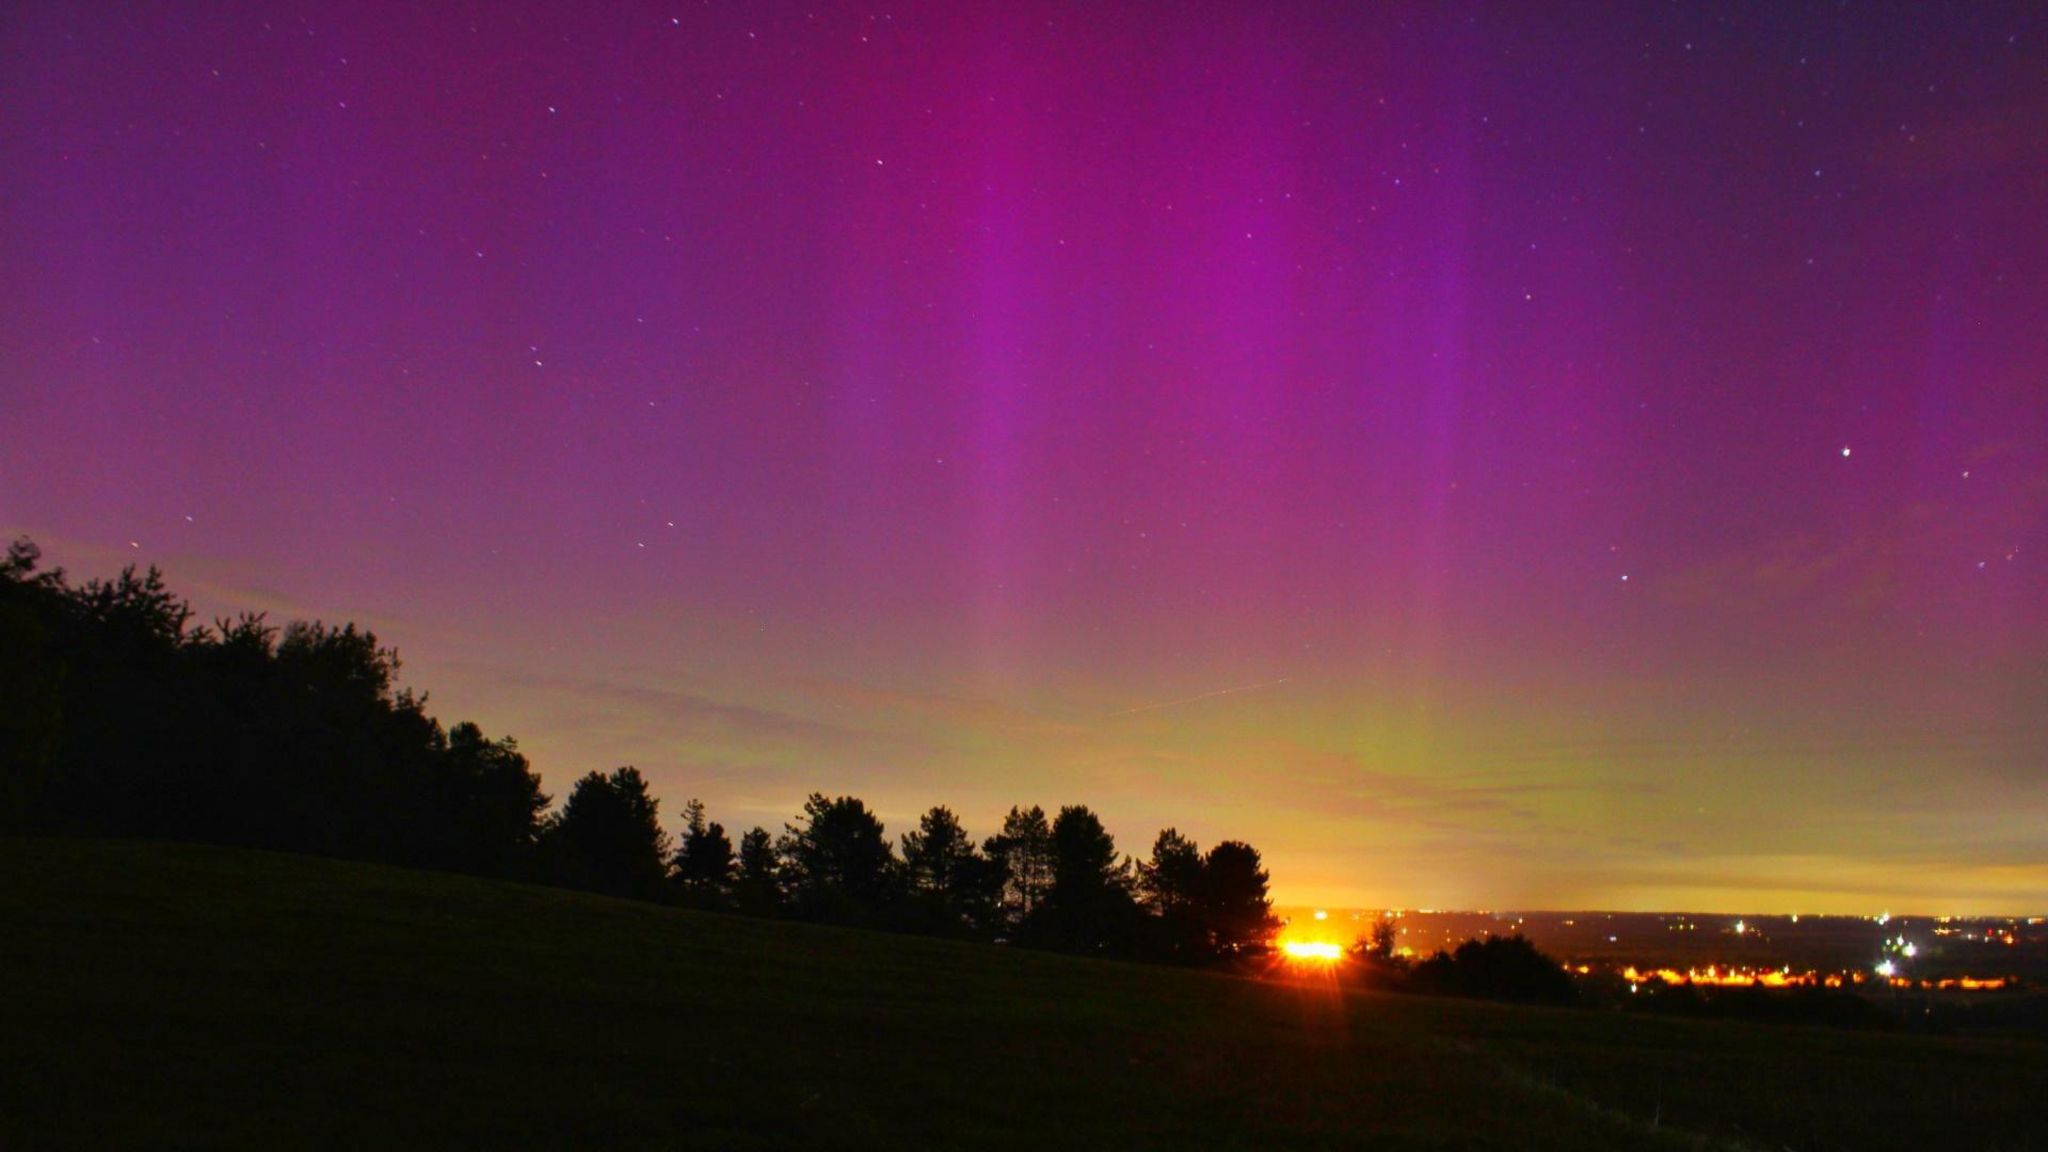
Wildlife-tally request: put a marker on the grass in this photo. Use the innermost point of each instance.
(182, 996)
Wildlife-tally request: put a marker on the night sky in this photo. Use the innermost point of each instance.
(1480, 456)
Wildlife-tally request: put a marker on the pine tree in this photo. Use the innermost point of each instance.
(704, 860)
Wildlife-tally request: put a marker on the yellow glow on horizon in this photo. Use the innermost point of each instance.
(1312, 950)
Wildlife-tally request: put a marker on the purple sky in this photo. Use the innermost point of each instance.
(1479, 457)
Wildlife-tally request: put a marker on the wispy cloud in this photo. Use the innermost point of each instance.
(687, 719)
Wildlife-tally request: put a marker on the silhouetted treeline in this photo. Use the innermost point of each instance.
(120, 717)
(1057, 883)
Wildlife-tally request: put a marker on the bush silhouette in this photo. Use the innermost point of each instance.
(1496, 968)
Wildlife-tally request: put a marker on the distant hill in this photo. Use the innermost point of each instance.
(174, 995)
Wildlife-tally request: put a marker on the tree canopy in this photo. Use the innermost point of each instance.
(704, 860)
(1233, 900)
(836, 863)
(119, 715)
(608, 836)
(952, 886)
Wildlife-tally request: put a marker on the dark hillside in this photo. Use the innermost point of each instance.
(163, 996)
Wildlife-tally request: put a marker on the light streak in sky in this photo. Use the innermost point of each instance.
(1204, 696)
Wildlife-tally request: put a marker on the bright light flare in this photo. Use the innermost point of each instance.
(1312, 950)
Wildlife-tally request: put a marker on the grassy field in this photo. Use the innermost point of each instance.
(178, 996)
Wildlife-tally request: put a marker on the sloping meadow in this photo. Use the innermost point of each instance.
(169, 995)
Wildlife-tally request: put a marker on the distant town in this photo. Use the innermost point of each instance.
(1936, 954)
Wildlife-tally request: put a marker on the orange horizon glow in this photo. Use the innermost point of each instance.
(1316, 950)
